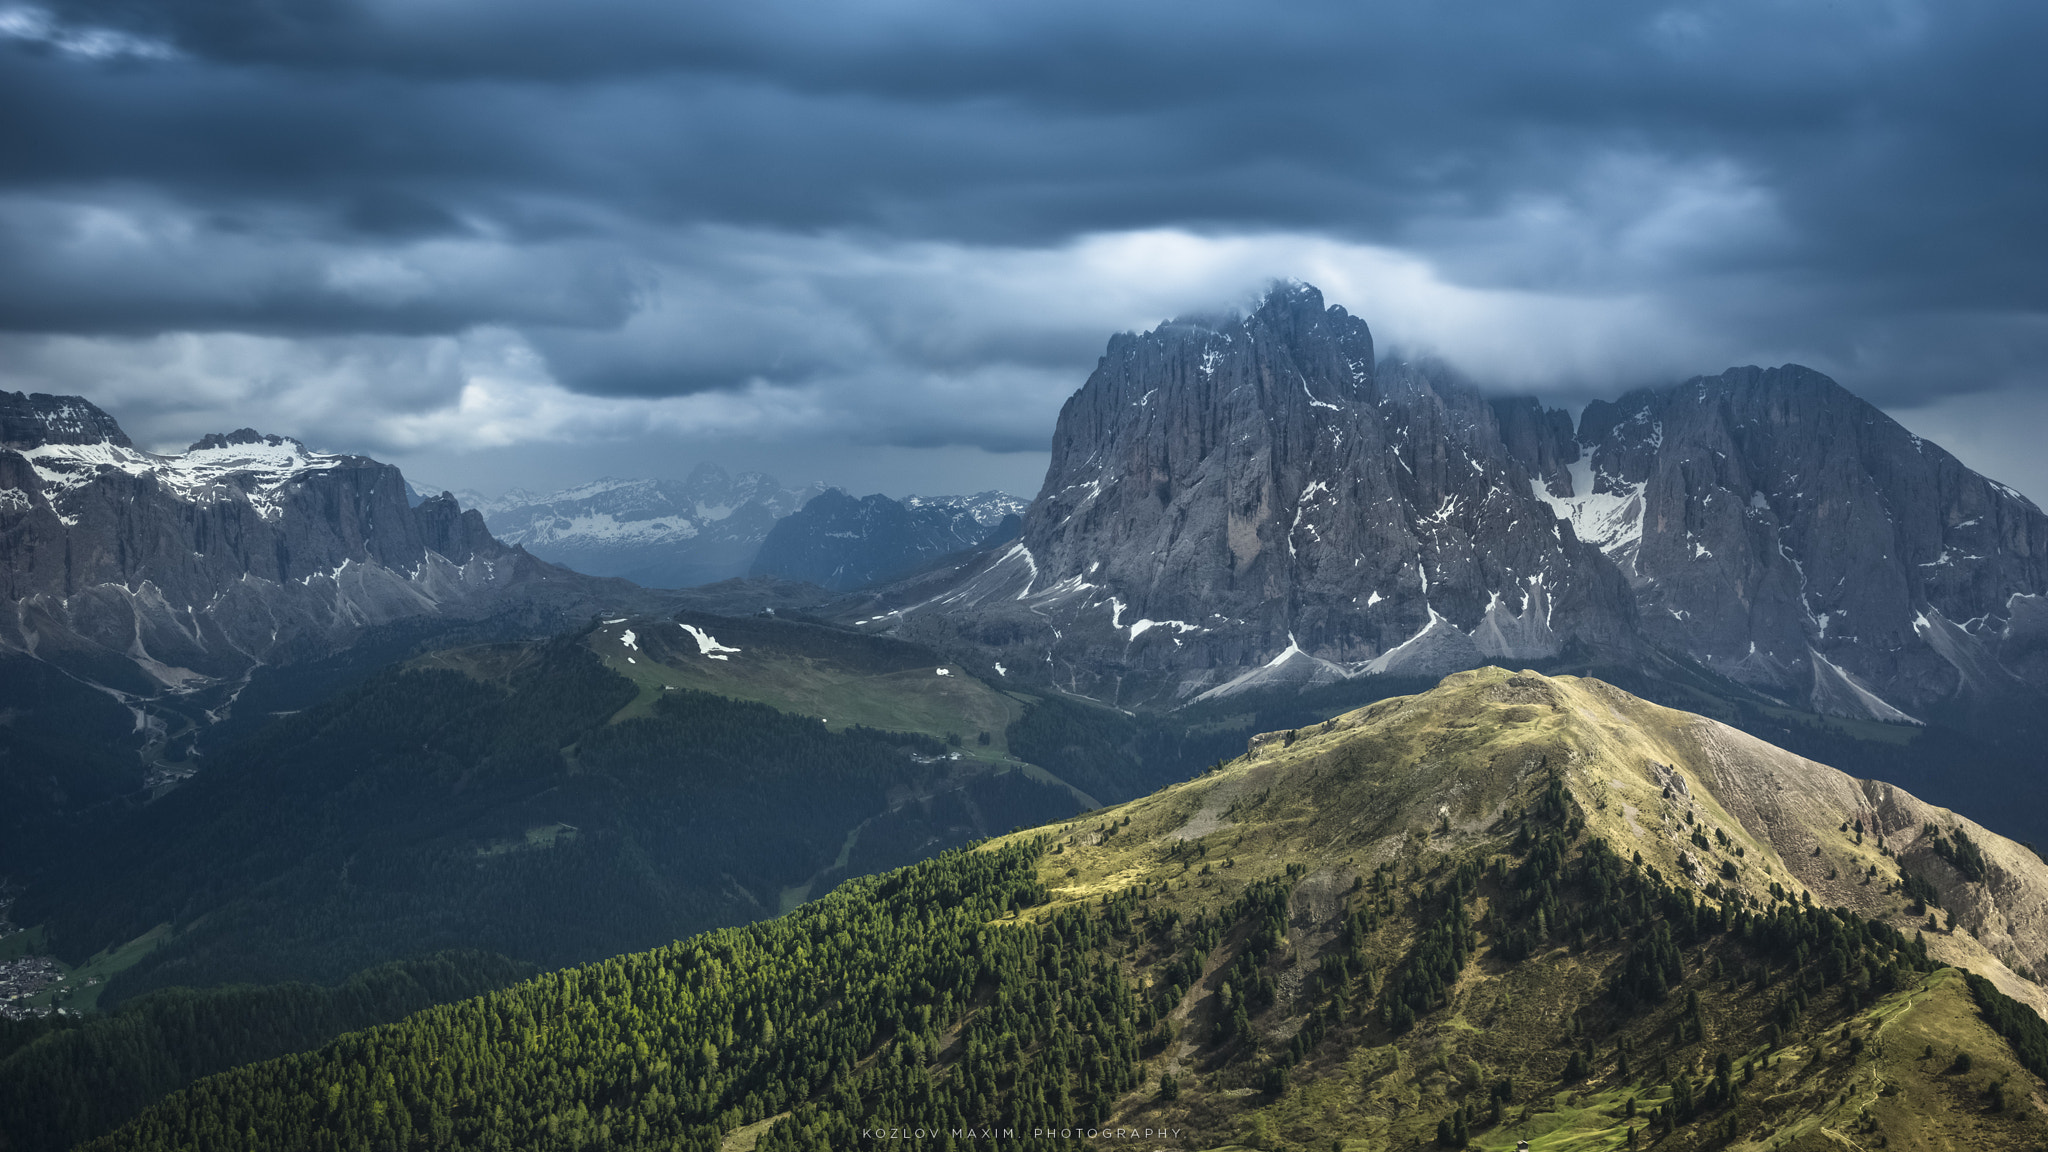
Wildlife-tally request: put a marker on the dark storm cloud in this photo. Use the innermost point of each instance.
(668, 200)
(134, 264)
(1031, 121)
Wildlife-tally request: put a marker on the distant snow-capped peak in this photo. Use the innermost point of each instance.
(987, 508)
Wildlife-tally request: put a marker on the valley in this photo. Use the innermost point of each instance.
(1475, 916)
(471, 797)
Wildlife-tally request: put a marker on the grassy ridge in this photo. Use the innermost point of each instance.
(1412, 926)
(1392, 798)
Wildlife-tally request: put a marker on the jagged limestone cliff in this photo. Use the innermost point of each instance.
(1786, 533)
(1254, 501)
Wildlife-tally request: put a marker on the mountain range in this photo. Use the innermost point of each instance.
(1258, 500)
(656, 533)
(714, 526)
(152, 593)
(147, 593)
(1486, 906)
(842, 543)
(1232, 503)
(148, 572)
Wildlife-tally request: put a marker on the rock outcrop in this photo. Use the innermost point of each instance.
(1787, 534)
(144, 573)
(1250, 501)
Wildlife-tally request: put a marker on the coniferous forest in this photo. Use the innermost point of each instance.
(835, 1014)
(958, 1003)
(64, 1079)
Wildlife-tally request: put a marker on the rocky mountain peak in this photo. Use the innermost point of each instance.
(143, 572)
(34, 419)
(1788, 534)
(1257, 500)
(1541, 438)
(710, 477)
(240, 437)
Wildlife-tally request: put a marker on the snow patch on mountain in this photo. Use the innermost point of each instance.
(218, 468)
(985, 508)
(1611, 520)
(708, 645)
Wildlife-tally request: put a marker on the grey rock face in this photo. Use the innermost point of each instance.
(1255, 501)
(1540, 438)
(147, 573)
(1786, 533)
(841, 543)
(987, 509)
(32, 420)
(657, 533)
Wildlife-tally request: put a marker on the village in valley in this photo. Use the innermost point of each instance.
(22, 977)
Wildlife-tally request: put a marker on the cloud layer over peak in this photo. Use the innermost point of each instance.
(744, 231)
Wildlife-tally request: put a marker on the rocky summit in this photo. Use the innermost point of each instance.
(1259, 501)
(1787, 534)
(1256, 501)
(143, 572)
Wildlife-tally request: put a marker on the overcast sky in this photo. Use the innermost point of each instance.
(519, 243)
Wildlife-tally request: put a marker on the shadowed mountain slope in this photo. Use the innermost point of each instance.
(841, 542)
(144, 591)
(554, 802)
(1788, 534)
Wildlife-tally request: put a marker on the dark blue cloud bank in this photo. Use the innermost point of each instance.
(888, 238)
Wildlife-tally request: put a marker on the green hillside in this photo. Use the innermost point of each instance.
(64, 1079)
(503, 798)
(841, 677)
(849, 679)
(1457, 919)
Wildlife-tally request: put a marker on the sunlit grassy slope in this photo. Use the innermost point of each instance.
(841, 678)
(1509, 908)
(1377, 808)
